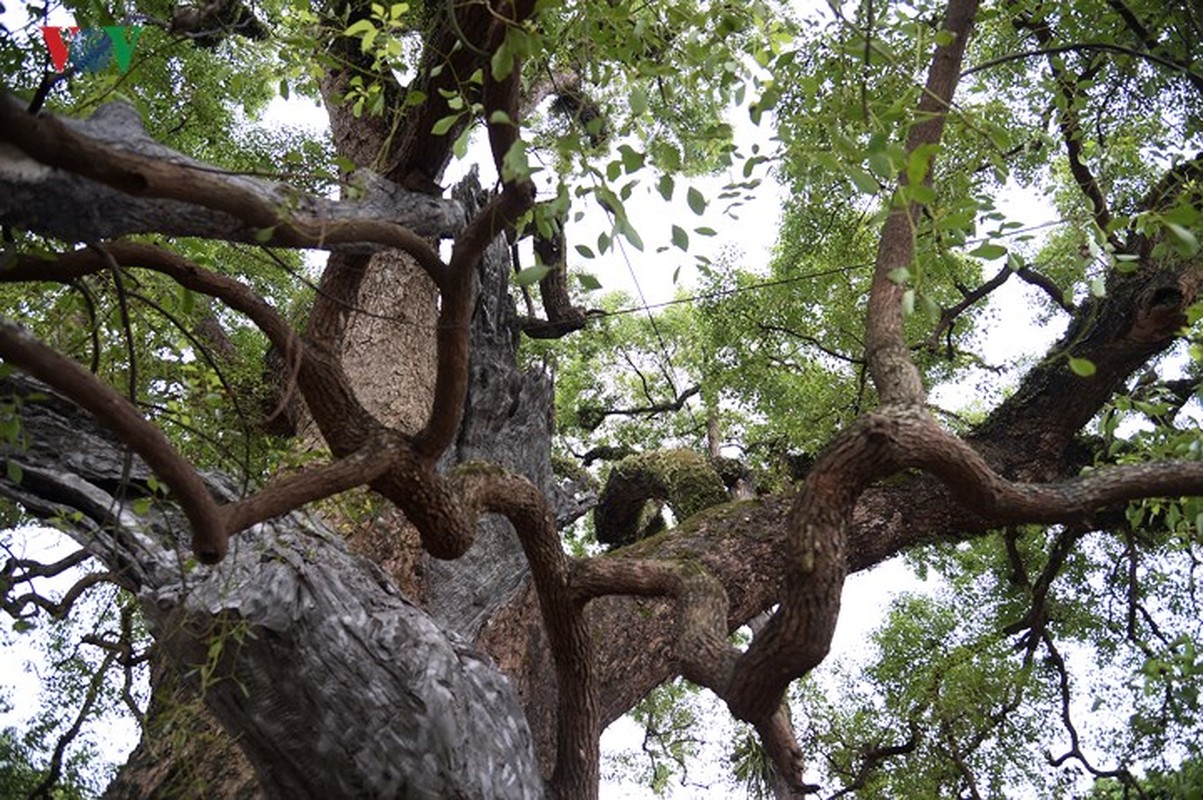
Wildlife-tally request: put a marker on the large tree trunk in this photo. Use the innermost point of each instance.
(337, 685)
(508, 421)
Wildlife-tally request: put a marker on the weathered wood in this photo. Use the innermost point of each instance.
(337, 685)
(58, 203)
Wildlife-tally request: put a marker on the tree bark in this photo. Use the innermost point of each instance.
(337, 685)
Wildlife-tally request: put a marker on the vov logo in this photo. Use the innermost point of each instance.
(91, 49)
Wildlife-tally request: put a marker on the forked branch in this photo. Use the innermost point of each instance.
(798, 636)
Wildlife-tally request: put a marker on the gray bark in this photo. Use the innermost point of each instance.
(33, 196)
(507, 421)
(337, 685)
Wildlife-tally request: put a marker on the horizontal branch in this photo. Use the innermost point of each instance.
(1086, 47)
(270, 214)
(977, 486)
(287, 494)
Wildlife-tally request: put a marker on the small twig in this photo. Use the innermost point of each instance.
(43, 790)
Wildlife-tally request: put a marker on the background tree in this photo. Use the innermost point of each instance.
(483, 660)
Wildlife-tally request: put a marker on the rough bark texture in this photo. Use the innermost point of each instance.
(388, 349)
(337, 683)
(507, 421)
(32, 195)
(314, 642)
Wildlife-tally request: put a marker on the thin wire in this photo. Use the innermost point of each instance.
(599, 313)
(667, 372)
(723, 292)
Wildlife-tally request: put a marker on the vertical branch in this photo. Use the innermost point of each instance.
(487, 488)
(798, 636)
(44, 789)
(1070, 124)
(894, 374)
(501, 108)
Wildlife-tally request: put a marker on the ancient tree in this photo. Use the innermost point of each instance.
(432, 636)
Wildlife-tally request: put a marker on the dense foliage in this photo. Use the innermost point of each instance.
(1044, 657)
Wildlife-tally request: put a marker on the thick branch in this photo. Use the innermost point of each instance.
(798, 636)
(893, 372)
(702, 650)
(485, 488)
(451, 380)
(246, 204)
(19, 348)
(562, 316)
(463, 39)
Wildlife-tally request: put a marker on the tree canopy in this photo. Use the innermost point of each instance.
(400, 501)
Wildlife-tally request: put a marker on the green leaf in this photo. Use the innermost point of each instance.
(705, 231)
(14, 472)
(361, 27)
(879, 162)
(632, 159)
(531, 275)
(988, 251)
(628, 231)
(931, 308)
(460, 148)
(696, 200)
(638, 101)
(1082, 367)
(863, 180)
(588, 282)
(443, 125)
(921, 193)
(514, 164)
(502, 62)
(1184, 239)
(680, 238)
(918, 162)
(585, 251)
(665, 186)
